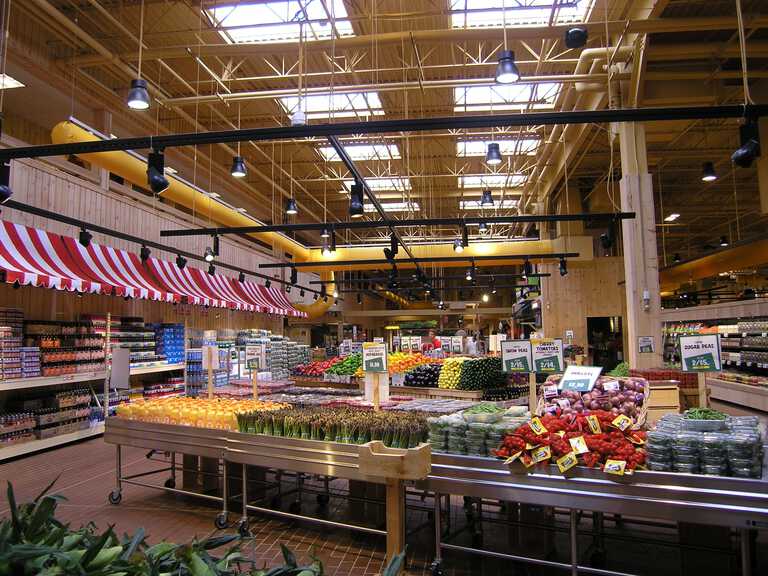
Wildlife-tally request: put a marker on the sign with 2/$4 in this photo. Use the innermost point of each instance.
(374, 357)
(547, 355)
(700, 353)
(516, 355)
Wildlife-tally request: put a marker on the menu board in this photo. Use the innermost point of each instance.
(457, 343)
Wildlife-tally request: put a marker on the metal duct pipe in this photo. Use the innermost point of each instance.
(590, 61)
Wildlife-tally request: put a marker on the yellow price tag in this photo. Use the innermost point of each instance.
(615, 467)
(529, 446)
(560, 433)
(541, 454)
(537, 427)
(512, 458)
(579, 445)
(622, 422)
(594, 424)
(565, 463)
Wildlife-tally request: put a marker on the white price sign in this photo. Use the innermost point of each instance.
(516, 355)
(700, 353)
(547, 355)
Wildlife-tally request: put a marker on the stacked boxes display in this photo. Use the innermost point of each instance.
(277, 357)
(11, 322)
(169, 341)
(30, 362)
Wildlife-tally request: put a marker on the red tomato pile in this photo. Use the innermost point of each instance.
(316, 368)
(603, 440)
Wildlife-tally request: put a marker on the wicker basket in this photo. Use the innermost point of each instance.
(638, 423)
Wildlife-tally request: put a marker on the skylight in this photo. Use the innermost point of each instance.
(362, 152)
(491, 180)
(507, 147)
(394, 207)
(490, 13)
(518, 96)
(7, 82)
(380, 184)
(316, 106)
(506, 204)
(279, 20)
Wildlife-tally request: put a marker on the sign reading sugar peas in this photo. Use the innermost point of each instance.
(516, 355)
(700, 353)
(374, 357)
(547, 355)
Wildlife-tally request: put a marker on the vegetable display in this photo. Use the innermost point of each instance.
(348, 366)
(596, 440)
(480, 373)
(316, 368)
(704, 414)
(424, 376)
(617, 395)
(621, 370)
(339, 424)
(451, 373)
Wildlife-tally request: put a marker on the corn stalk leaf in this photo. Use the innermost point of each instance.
(45, 490)
(95, 548)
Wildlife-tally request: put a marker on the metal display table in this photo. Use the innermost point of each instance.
(729, 502)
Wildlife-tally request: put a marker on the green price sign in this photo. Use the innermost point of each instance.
(700, 353)
(547, 355)
(516, 355)
(374, 357)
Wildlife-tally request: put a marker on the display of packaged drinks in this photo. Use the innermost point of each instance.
(171, 385)
(753, 327)
(197, 377)
(30, 362)
(169, 339)
(16, 422)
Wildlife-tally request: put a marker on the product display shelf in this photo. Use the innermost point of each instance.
(751, 396)
(42, 381)
(154, 369)
(420, 392)
(36, 445)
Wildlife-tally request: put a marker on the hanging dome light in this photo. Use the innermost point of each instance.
(238, 167)
(493, 154)
(290, 207)
(708, 173)
(458, 247)
(506, 69)
(482, 228)
(325, 233)
(486, 200)
(209, 255)
(356, 208)
(138, 96)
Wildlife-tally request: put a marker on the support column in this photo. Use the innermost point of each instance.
(641, 266)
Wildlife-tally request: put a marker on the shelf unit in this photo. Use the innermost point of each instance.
(748, 395)
(155, 369)
(37, 445)
(42, 381)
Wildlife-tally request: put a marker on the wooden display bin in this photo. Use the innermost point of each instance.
(664, 398)
(375, 459)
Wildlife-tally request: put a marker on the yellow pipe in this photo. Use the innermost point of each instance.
(134, 170)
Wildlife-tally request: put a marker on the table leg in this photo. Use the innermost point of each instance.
(395, 518)
(574, 545)
(745, 536)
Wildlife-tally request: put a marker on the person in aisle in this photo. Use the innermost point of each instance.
(471, 346)
(434, 340)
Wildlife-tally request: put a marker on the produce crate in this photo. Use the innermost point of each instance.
(375, 459)
(663, 395)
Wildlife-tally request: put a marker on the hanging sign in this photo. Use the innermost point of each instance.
(580, 378)
(445, 344)
(547, 355)
(645, 345)
(416, 343)
(700, 353)
(378, 339)
(516, 355)
(374, 357)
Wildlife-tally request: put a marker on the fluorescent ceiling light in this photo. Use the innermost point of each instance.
(362, 152)
(380, 184)
(492, 180)
(7, 82)
(506, 204)
(508, 147)
(499, 97)
(327, 105)
(279, 20)
(489, 13)
(171, 170)
(394, 207)
(672, 217)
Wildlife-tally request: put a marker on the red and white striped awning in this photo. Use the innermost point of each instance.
(119, 272)
(35, 257)
(255, 294)
(181, 281)
(221, 287)
(280, 297)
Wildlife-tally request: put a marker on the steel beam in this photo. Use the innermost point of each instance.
(435, 260)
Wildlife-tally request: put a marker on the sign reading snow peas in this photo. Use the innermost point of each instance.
(547, 355)
(374, 357)
(700, 353)
(516, 355)
(580, 378)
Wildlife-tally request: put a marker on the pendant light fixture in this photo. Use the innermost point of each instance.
(486, 200)
(676, 258)
(144, 253)
(506, 69)
(469, 274)
(325, 233)
(464, 236)
(723, 241)
(238, 165)
(84, 237)
(138, 96)
(208, 256)
(359, 298)
(708, 173)
(563, 267)
(211, 269)
(241, 277)
(290, 207)
(356, 206)
(267, 283)
(335, 293)
(527, 268)
(493, 154)
(458, 247)
(5, 182)
(482, 228)
(326, 250)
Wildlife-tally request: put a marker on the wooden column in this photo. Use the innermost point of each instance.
(641, 267)
(762, 166)
(395, 518)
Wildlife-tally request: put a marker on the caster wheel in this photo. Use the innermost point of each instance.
(276, 502)
(295, 507)
(323, 499)
(435, 569)
(115, 497)
(221, 521)
(170, 483)
(243, 529)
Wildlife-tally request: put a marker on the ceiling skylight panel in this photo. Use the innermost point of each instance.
(490, 13)
(496, 97)
(397, 183)
(394, 207)
(506, 204)
(327, 105)
(279, 20)
(491, 180)
(522, 146)
(362, 152)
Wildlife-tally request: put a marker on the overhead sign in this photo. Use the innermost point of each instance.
(580, 378)
(374, 357)
(547, 355)
(645, 345)
(700, 353)
(516, 355)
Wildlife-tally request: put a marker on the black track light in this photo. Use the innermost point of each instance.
(493, 154)
(85, 237)
(294, 276)
(323, 290)
(749, 136)
(208, 256)
(723, 241)
(238, 167)
(267, 283)
(5, 182)
(393, 244)
(156, 172)
(215, 245)
(506, 69)
(486, 200)
(288, 289)
(576, 37)
(458, 247)
(333, 240)
(144, 253)
(302, 293)
(482, 228)
(464, 236)
(314, 296)
(708, 173)
(291, 207)
(356, 206)
(563, 267)
(181, 261)
(676, 258)
(138, 96)
(241, 277)
(527, 268)
(211, 269)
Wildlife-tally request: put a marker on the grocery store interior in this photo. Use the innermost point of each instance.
(375, 287)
